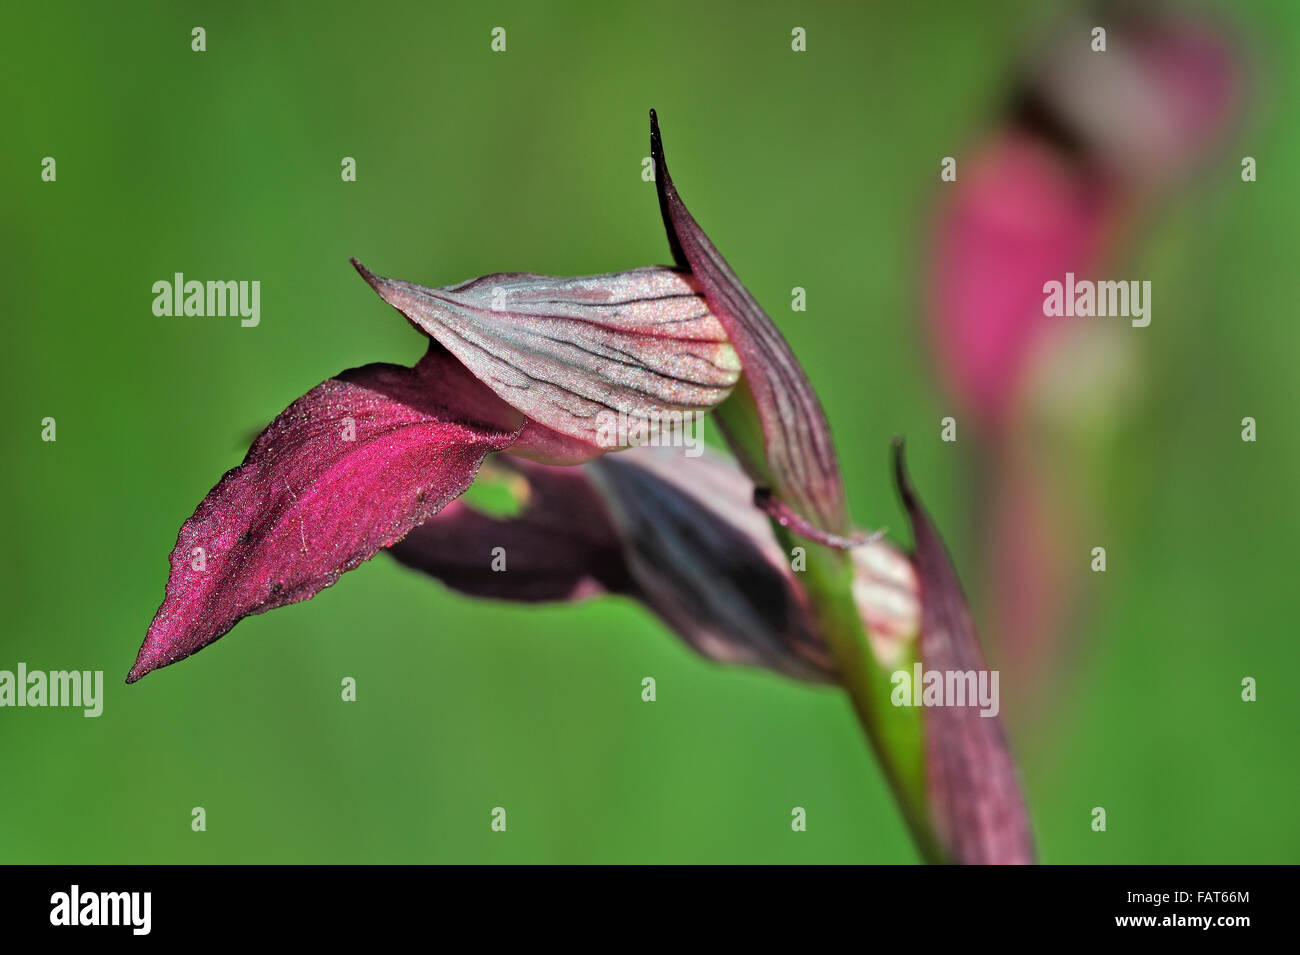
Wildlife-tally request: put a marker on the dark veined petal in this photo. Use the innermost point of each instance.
(576, 354)
(801, 459)
(344, 471)
(976, 805)
(560, 545)
(678, 534)
(705, 560)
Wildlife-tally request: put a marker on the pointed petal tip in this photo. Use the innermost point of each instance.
(901, 480)
(801, 463)
(418, 437)
(657, 154)
(370, 277)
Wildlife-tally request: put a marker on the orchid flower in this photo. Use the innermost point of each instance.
(1050, 188)
(1054, 187)
(520, 373)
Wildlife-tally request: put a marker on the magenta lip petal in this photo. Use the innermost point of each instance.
(346, 470)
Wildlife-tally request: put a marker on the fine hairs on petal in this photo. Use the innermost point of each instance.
(345, 471)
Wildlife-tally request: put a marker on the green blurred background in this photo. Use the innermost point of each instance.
(813, 170)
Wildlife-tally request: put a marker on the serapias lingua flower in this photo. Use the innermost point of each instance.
(520, 368)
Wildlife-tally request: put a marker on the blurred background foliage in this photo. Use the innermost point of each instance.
(817, 170)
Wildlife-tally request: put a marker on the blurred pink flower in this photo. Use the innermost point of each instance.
(1094, 136)
(1021, 215)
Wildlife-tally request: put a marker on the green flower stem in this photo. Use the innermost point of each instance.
(896, 733)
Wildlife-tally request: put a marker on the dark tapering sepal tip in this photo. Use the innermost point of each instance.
(140, 669)
(901, 479)
(365, 273)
